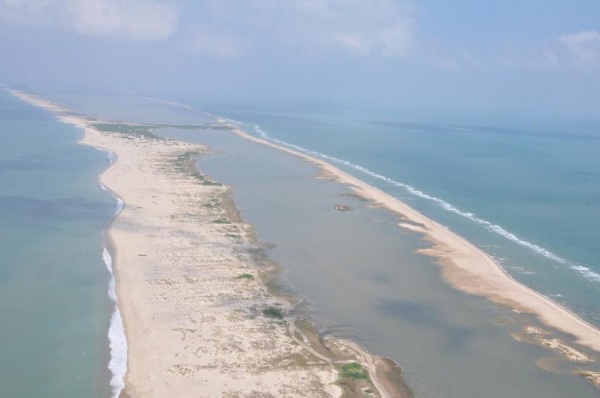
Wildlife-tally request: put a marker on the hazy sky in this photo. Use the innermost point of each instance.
(429, 55)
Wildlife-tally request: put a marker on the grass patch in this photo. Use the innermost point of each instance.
(245, 276)
(212, 203)
(222, 220)
(137, 130)
(354, 371)
(144, 130)
(205, 126)
(204, 180)
(185, 164)
(273, 312)
(187, 156)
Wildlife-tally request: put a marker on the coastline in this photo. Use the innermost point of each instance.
(116, 329)
(464, 266)
(192, 321)
(117, 339)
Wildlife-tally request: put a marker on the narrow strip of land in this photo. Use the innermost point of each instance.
(197, 318)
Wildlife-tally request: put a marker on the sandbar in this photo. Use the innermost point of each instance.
(464, 266)
(197, 318)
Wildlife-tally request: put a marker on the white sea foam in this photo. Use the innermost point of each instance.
(116, 336)
(110, 156)
(111, 159)
(116, 333)
(586, 272)
(120, 205)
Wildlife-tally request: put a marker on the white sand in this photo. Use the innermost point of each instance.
(193, 327)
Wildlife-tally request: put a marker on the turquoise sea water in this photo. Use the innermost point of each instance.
(53, 282)
(526, 192)
(359, 274)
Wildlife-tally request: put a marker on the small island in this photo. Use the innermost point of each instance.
(339, 207)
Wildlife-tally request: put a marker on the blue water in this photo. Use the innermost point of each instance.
(527, 193)
(449, 343)
(53, 282)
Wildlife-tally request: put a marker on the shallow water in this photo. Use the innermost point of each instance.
(53, 282)
(525, 191)
(361, 279)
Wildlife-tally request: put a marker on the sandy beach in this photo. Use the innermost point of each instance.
(464, 266)
(197, 319)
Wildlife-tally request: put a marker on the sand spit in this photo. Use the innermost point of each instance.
(592, 377)
(464, 266)
(197, 320)
(542, 338)
(194, 327)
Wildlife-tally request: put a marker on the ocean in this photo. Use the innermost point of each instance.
(53, 279)
(524, 193)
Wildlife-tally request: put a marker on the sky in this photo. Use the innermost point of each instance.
(430, 56)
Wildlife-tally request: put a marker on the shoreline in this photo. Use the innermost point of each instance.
(116, 331)
(145, 375)
(463, 265)
(117, 338)
(117, 365)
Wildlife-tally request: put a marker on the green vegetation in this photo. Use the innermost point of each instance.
(187, 156)
(246, 276)
(206, 126)
(185, 163)
(204, 180)
(354, 371)
(144, 130)
(273, 312)
(138, 130)
(214, 202)
(222, 220)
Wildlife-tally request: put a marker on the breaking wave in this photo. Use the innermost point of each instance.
(583, 271)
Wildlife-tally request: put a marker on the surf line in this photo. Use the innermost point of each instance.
(580, 269)
(116, 332)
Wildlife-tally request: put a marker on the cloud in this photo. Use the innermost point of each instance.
(450, 58)
(393, 40)
(207, 41)
(570, 52)
(377, 27)
(123, 19)
(583, 46)
(574, 51)
(230, 28)
(358, 27)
